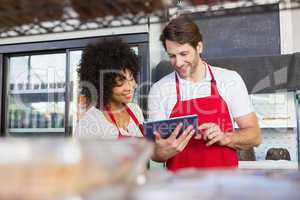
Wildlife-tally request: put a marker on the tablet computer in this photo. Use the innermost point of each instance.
(166, 127)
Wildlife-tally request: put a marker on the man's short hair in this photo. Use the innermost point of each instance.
(182, 30)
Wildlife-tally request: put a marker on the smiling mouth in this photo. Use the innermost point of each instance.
(128, 96)
(182, 70)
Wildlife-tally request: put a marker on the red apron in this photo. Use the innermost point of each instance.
(131, 114)
(211, 109)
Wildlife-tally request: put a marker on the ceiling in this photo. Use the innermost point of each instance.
(30, 17)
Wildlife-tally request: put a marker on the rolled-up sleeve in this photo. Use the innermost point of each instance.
(238, 96)
(156, 109)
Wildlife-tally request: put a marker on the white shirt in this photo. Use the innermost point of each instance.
(162, 95)
(94, 123)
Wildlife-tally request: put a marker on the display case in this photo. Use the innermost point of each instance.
(278, 115)
(275, 110)
(36, 93)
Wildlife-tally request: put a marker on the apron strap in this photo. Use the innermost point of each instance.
(213, 87)
(134, 118)
(131, 114)
(108, 110)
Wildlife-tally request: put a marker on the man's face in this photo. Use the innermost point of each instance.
(183, 57)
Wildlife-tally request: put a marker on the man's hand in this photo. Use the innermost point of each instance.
(212, 133)
(249, 134)
(169, 147)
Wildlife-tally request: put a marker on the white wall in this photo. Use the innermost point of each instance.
(76, 34)
(286, 31)
(290, 31)
(155, 46)
(296, 30)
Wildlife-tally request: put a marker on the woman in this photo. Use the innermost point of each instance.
(108, 76)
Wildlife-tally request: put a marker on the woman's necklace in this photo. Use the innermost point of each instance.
(119, 117)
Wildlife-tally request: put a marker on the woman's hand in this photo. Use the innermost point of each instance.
(169, 147)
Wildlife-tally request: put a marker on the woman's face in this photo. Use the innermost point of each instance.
(124, 90)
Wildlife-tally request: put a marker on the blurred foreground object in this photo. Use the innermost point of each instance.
(222, 185)
(54, 168)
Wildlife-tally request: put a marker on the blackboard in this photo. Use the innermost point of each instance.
(264, 74)
(250, 34)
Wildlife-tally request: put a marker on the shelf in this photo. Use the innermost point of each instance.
(39, 91)
(268, 164)
(39, 97)
(275, 110)
(279, 126)
(36, 130)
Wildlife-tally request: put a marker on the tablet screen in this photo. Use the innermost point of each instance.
(166, 127)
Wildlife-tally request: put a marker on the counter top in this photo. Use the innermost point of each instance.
(268, 164)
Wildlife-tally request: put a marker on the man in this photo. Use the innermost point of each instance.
(218, 96)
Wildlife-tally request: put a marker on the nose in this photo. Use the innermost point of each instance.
(179, 61)
(129, 85)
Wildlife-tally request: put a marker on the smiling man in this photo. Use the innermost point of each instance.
(218, 96)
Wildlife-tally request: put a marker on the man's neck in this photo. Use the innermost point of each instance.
(199, 73)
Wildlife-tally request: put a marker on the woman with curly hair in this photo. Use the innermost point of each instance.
(108, 76)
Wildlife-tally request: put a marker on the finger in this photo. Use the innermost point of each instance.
(157, 136)
(205, 126)
(215, 140)
(206, 134)
(186, 140)
(203, 129)
(176, 131)
(210, 130)
(211, 133)
(185, 133)
(198, 136)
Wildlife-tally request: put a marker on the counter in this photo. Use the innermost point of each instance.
(268, 164)
(221, 185)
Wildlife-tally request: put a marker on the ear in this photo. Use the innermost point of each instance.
(199, 48)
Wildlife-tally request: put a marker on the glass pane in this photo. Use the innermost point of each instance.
(36, 95)
(135, 49)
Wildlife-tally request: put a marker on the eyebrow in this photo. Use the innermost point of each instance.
(181, 52)
(122, 77)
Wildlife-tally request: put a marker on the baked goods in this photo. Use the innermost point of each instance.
(278, 154)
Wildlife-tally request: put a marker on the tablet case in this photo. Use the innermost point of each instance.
(166, 127)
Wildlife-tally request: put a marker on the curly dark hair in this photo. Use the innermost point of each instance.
(106, 59)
